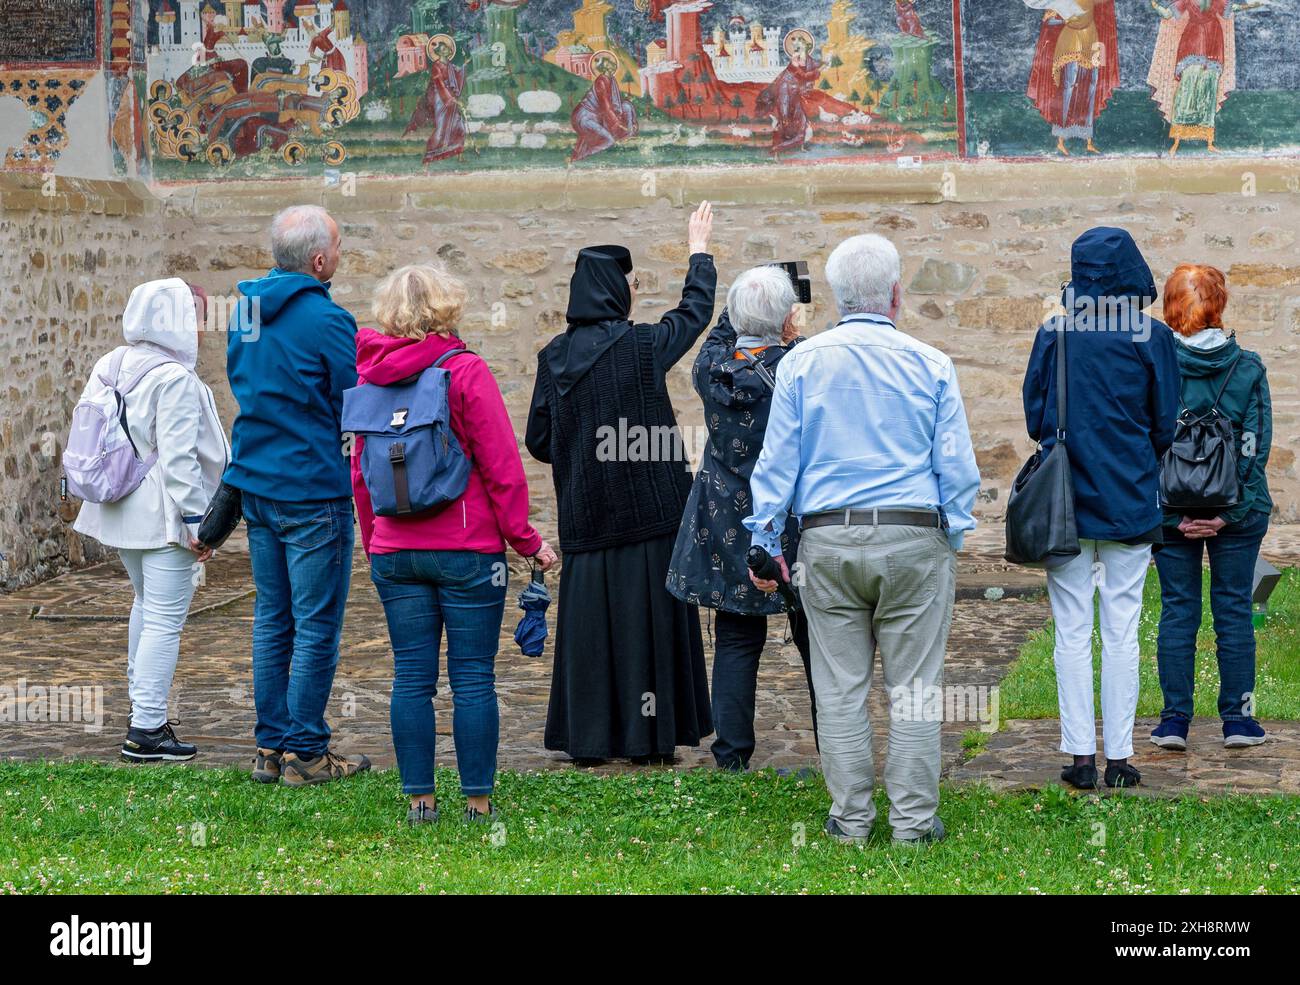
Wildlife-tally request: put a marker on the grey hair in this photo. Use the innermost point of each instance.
(862, 272)
(298, 233)
(759, 302)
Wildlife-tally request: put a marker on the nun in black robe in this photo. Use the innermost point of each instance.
(629, 677)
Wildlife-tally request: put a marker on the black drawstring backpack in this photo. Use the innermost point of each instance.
(1199, 471)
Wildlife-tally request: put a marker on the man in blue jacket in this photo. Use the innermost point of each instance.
(290, 354)
(1122, 389)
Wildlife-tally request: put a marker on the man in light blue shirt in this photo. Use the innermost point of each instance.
(867, 443)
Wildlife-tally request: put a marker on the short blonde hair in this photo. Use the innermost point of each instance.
(418, 299)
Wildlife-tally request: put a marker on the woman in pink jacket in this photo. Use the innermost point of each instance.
(445, 568)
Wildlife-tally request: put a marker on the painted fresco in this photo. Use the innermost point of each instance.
(49, 52)
(245, 88)
(1087, 77)
(430, 85)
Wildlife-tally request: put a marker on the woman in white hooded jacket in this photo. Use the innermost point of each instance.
(170, 412)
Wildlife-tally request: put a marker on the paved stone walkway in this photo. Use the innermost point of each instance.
(1025, 756)
(72, 631)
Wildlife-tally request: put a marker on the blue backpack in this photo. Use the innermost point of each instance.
(411, 461)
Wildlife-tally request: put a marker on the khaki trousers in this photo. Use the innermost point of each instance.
(890, 587)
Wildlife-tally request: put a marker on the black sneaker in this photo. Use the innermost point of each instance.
(1081, 777)
(1122, 775)
(158, 745)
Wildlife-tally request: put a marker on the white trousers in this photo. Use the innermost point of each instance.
(163, 580)
(1115, 573)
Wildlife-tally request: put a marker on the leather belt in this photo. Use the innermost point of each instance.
(875, 518)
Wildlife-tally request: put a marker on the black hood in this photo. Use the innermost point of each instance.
(599, 303)
(1106, 263)
(598, 290)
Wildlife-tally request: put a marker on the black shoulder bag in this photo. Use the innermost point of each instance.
(1040, 522)
(1199, 471)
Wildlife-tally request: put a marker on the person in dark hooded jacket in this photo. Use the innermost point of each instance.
(629, 677)
(734, 375)
(1122, 389)
(1216, 372)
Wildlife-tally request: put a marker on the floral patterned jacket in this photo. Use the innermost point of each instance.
(708, 564)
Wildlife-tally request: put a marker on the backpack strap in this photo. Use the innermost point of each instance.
(437, 363)
(149, 366)
(759, 368)
(114, 367)
(1224, 385)
(447, 355)
(120, 391)
(1061, 406)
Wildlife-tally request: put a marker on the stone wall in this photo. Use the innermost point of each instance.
(70, 252)
(985, 249)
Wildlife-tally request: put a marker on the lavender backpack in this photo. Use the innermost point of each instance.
(101, 462)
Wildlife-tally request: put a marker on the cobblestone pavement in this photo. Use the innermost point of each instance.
(71, 631)
(1025, 756)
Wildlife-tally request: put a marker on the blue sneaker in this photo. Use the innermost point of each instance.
(1171, 734)
(1239, 735)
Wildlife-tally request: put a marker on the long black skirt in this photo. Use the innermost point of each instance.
(629, 677)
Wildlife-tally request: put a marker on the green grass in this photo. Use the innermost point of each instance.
(84, 827)
(1029, 689)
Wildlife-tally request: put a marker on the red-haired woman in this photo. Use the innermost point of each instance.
(1214, 366)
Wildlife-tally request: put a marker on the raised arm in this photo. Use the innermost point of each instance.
(678, 330)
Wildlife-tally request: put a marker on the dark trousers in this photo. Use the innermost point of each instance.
(738, 646)
(1232, 572)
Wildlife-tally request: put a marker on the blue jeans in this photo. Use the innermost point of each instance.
(423, 592)
(302, 564)
(1232, 572)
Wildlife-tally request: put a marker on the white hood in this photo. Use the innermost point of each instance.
(162, 313)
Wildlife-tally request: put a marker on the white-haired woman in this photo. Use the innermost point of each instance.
(444, 569)
(734, 375)
(172, 421)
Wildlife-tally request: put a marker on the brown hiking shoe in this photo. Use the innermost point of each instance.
(295, 772)
(266, 765)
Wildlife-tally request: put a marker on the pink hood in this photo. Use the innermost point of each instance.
(384, 360)
(493, 511)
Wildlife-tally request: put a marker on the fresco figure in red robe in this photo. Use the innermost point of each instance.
(1076, 66)
(604, 116)
(1194, 66)
(783, 99)
(331, 57)
(440, 104)
(909, 21)
(236, 68)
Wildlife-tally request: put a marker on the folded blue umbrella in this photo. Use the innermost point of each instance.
(530, 634)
